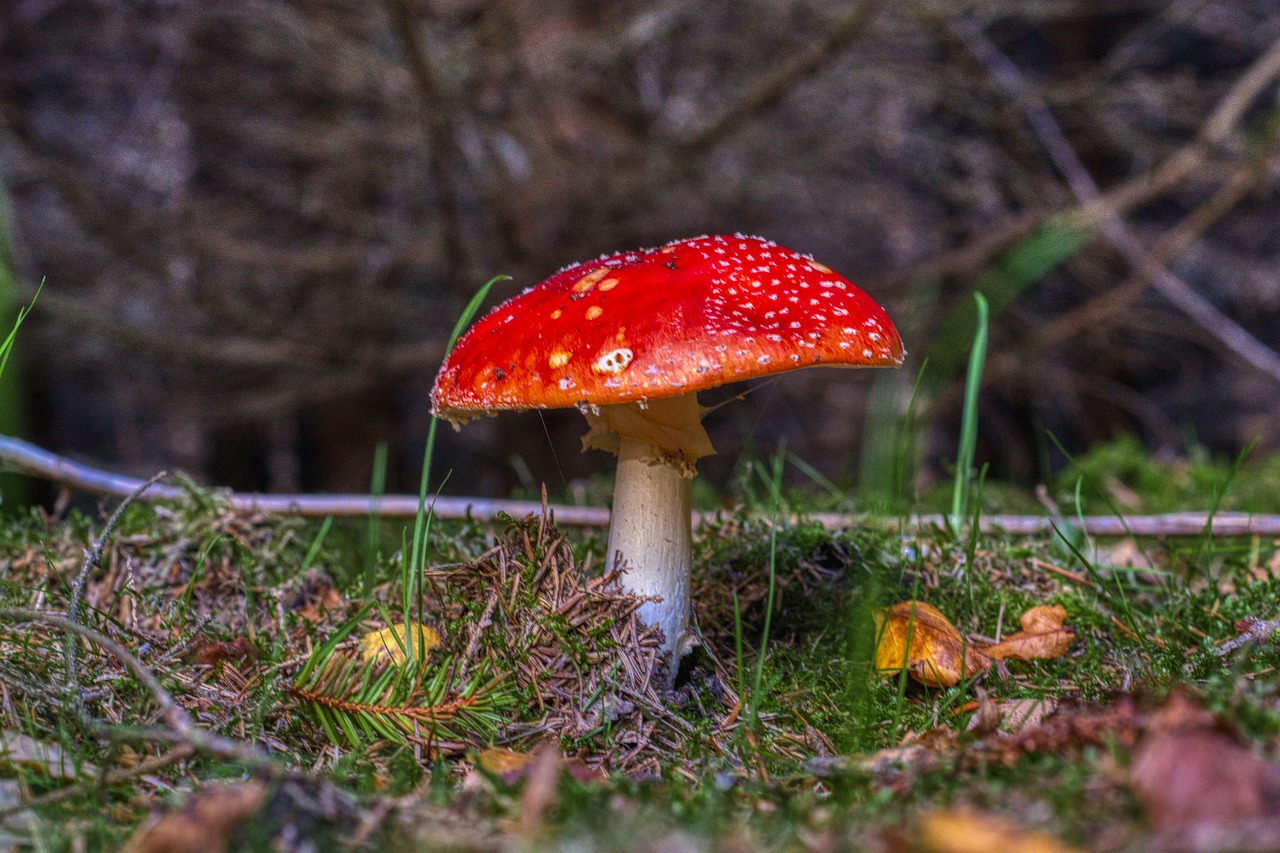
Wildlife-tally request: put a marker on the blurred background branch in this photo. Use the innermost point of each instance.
(258, 220)
(1228, 333)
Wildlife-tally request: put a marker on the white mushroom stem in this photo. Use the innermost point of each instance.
(650, 533)
(658, 443)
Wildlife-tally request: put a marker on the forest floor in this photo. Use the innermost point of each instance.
(232, 683)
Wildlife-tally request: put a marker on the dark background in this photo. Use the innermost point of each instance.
(257, 221)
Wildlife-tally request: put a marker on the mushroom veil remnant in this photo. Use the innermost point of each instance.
(629, 339)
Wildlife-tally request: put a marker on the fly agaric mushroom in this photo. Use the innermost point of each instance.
(629, 339)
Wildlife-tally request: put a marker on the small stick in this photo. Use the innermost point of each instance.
(1069, 575)
(1254, 631)
(91, 558)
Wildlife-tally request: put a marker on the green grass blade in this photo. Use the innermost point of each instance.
(420, 522)
(314, 550)
(377, 488)
(969, 423)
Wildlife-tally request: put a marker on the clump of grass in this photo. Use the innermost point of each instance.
(530, 644)
(1121, 475)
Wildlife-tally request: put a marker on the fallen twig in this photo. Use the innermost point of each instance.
(1074, 577)
(36, 462)
(91, 558)
(1252, 631)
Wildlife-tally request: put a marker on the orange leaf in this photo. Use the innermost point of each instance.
(916, 636)
(1043, 636)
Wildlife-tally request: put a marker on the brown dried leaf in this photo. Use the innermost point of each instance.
(1190, 774)
(507, 764)
(916, 636)
(513, 767)
(987, 717)
(895, 767)
(206, 652)
(207, 823)
(1043, 636)
(1073, 726)
(963, 831)
(1125, 553)
(317, 600)
(541, 789)
(1020, 714)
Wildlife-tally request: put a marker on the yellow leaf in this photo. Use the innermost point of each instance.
(961, 831)
(1043, 636)
(505, 763)
(916, 636)
(391, 643)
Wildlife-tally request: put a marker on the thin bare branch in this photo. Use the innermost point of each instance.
(146, 767)
(436, 116)
(782, 79)
(1222, 123)
(31, 460)
(1229, 333)
(1237, 186)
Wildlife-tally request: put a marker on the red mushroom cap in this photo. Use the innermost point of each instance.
(660, 322)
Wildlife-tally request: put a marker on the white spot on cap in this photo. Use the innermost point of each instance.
(614, 361)
(589, 280)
